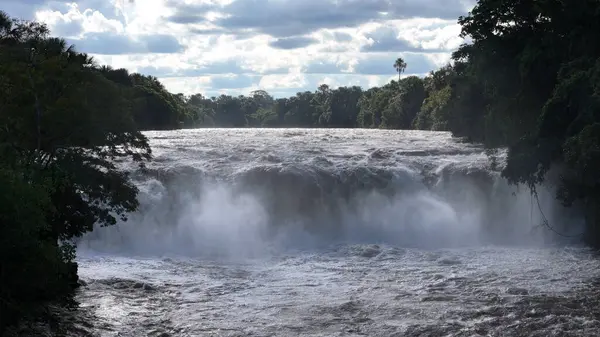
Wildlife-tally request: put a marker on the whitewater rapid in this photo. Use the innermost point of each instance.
(299, 232)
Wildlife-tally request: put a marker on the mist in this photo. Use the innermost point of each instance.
(264, 211)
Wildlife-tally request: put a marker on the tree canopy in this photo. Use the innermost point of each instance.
(529, 80)
(63, 127)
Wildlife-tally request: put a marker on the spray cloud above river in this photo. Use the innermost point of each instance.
(247, 192)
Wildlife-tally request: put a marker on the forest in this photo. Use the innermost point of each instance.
(404, 104)
(528, 79)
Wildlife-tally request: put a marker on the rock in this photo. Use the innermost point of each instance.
(159, 333)
(449, 262)
(370, 252)
(144, 286)
(148, 287)
(438, 298)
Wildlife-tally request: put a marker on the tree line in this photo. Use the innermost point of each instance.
(409, 103)
(528, 79)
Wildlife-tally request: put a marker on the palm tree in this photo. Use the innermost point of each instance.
(6, 25)
(400, 66)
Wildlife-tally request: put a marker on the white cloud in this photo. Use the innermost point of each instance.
(235, 46)
(75, 22)
(295, 81)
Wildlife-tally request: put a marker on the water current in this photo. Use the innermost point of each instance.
(298, 232)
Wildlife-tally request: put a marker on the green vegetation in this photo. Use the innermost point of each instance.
(531, 82)
(528, 80)
(393, 106)
(63, 125)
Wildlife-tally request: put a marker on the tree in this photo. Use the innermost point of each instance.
(63, 128)
(229, 111)
(534, 68)
(201, 111)
(85, 125)
(437, 108)
(400, 66)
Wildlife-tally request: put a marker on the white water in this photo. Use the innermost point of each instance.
(332, 232)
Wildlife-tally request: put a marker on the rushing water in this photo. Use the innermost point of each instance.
(333, 233)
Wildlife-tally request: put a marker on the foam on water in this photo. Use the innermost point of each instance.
(239, 192)
(333, 232)
(351, 290)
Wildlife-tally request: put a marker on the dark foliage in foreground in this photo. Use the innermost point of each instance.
(63, 125)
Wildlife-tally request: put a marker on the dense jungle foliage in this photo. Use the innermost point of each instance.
(63, 124)
(528, 79)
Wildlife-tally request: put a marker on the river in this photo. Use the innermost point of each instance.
(300, 232)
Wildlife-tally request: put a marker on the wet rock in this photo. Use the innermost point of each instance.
(144, 286)
(402, 296)
(119, 284)
(148, 287)
(349, 306)
(380, 154)
(370, 252)
(159, 333)
(440, 298)
(362, 320)
(449, 261)
(438, 277)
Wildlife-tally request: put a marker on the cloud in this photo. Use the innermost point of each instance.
(233, 81)
(186, 13)
(160, 43)
(26, 9)
(342, 37)
(235, 46)
(293, 42)
(322, 67)
(371, 64)
(112, 44)
(68, 28)
(73, 21)
(217, 68)
(295, 81)
(285, 18)
(386, 39)
(22, 9)
(158, 71)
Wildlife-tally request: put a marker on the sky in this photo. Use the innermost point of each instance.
(237, 46)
